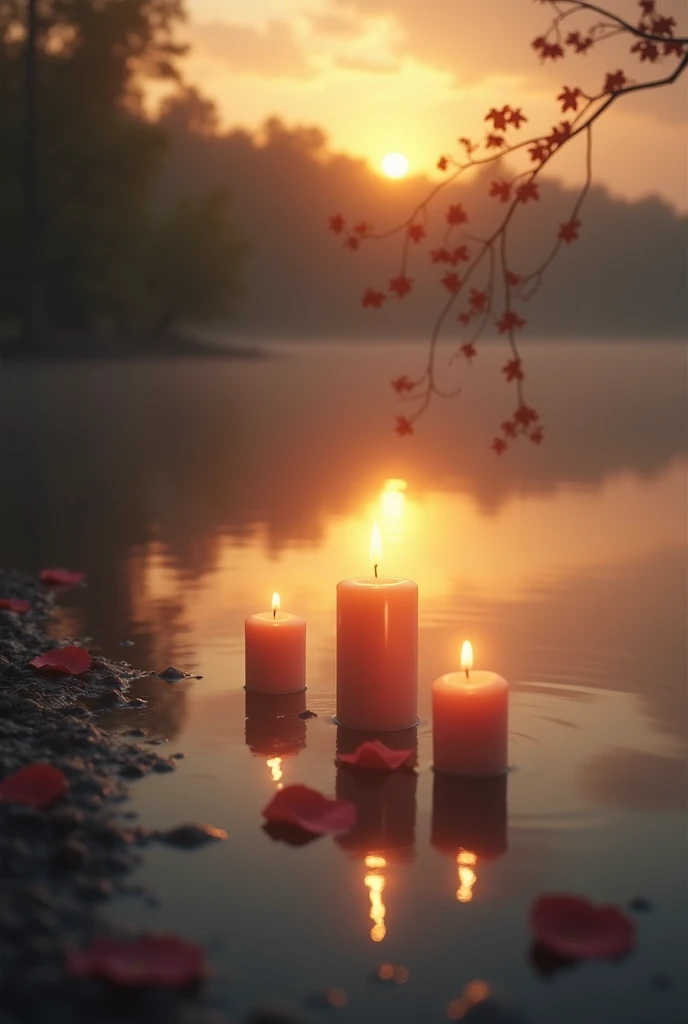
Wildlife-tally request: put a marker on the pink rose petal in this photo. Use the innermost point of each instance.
(71, 660)
(152, 960)
(307, 809)
(61, 577)
(15, 604)
(374, 754)
(575, 928)
(37, 785)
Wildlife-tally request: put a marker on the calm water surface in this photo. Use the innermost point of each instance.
(189, 491)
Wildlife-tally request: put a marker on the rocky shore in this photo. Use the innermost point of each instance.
(59, 865)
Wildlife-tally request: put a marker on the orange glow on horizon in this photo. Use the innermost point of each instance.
(395, 165)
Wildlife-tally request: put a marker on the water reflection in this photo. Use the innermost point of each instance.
(469, 823)
(273, 728)
(374, 881)
(385, 801)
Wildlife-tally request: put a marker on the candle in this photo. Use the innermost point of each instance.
(275, 651)
(469, 721)
(377, 650)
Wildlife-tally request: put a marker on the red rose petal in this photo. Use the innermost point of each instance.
(61, 577)
(310, 810)
(374, 754)
(575, 928)
(36, 785)
(72, 660)
(15, 604)
(152, 960)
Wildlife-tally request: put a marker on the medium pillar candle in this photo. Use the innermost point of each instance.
(377, 651)
(275, 644)
(470, 721)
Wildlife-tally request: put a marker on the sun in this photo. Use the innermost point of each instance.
(395, 165)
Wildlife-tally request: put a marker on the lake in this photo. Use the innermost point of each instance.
(190, 490)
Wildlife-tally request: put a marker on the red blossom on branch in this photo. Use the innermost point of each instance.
(486, 275)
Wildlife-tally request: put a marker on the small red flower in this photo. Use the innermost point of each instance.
(501, 189)
(403, 426)
(442, 163)
(498, 446)
(71, 660)
(36, 785)
(151, 960)
(509, 428)
(568, 232)
(363, 228)
(569, 98)
(477, 300)
(495, 141)
(372, 298)
(575, 928)
(512, 278)
(459, 254)
(581, 44)
(456, 214)
(440, 256)
(401, 285)
(416, 232)
(402, 384)
(452, 282)
(499, 118)
(352, 243)
(510, 321)
(374, 754)
(524, 416)
(614, 81)
(61, 577)
(512, 370)
(539, 152)
(464, 318)
(517, 118)
(307, 809)
(559, 134)
(647, 50)
(15, 604)
(528, 190)
(537, 436)
(337, 223)
(469, 350)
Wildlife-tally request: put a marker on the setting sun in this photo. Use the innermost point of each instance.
(395, 165)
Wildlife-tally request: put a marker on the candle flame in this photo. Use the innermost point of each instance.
(375, 546)
(275, 603)
(466, 656)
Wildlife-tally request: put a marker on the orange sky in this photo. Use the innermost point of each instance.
(382, 75)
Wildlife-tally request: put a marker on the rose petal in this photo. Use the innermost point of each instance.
(15, 604)
(310, 810)
(573, 927)
(61, 577)
(374, 754)
(72, 660)
(37, 785)
(159, 960)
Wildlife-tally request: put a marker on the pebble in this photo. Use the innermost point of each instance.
(172, 674)
(192, 836)
(72, 853)
(139, 732)
(307, 714)
(132, 771)
(66, 819)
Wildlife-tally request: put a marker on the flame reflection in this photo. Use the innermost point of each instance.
(375, 883)
(466, 861)
(276, 773)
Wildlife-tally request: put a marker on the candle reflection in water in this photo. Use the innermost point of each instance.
(385, 830)
(469, 823)
(274, 730)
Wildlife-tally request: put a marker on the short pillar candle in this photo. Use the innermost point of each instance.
(470, 712)
(275, 645)
(377, 650)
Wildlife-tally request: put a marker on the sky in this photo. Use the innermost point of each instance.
(408, 76)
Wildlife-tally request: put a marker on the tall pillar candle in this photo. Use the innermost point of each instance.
(275, 650)
(470, 712)
(377, 650)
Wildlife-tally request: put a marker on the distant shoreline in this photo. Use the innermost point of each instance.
(94, 349)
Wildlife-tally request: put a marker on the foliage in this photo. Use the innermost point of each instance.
(99, 162)
(483, 294)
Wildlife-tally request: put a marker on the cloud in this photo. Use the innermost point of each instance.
(269, 52)
(341, 26)
(368, 66)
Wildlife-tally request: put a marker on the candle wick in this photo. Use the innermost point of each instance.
(375, 568)
(466, 673)
(274, 615)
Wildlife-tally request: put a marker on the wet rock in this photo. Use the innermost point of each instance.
(164, 766)
(191, 836)
(72, 853)
(132, 771)
(307, 714)
(178, 756)
(93, 890)
(138, 732)
(126, 643)
(172, 674)
(66, 819)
